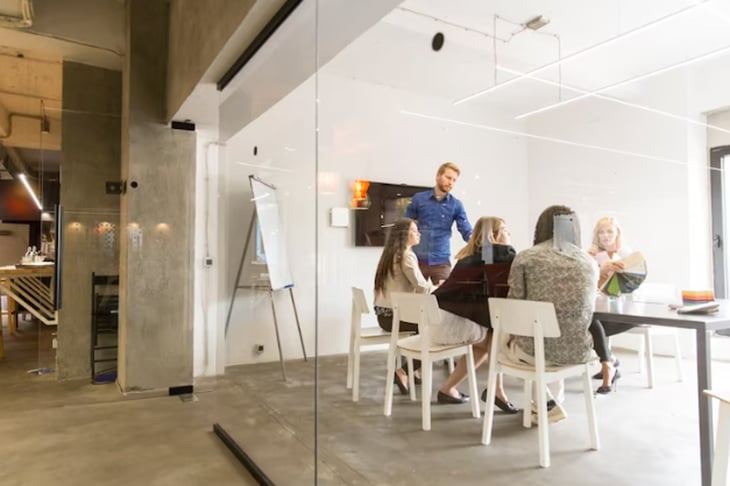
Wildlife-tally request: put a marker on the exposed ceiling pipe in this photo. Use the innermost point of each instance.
(23, 21)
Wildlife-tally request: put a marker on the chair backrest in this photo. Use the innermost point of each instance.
(415, 307)
(359, 302)
(359, 307)
(422, 309)
(522, 317)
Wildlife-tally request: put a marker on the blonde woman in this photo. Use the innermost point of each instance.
(607, 248)
(463, 298)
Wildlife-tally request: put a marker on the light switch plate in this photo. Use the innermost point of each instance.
(340, 217)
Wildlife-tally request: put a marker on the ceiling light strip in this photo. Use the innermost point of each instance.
(24, 180)
(640, 77)
(619, 101)
(581, 52)
(544, 138)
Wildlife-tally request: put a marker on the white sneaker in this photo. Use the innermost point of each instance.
(555, 414)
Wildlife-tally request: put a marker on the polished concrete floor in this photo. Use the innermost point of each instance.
(75, 433)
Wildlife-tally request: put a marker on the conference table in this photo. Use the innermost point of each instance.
(625, 310)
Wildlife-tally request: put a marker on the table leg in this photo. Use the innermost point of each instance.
(704, 382)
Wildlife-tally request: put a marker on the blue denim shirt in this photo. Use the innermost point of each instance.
(435, 219)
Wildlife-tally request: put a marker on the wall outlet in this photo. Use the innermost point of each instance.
(258, 348)
(208, 262)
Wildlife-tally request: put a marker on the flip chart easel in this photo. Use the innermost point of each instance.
(266, 212)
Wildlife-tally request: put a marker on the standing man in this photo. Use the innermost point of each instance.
(435, 212)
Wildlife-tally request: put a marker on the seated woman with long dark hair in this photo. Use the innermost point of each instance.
(398, 272)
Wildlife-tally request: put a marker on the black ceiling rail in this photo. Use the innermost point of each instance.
(279, 17)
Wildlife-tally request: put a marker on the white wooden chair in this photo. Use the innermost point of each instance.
(361, 337)
(536, 319)
(423, 309)
(662, 293)
(646, 349)
(722, 439)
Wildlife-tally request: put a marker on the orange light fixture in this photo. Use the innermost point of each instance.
(360, 197)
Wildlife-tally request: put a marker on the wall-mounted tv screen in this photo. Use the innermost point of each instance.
(388, 202)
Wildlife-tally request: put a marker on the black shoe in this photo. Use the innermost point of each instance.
(403, 388)
(604, 390)
(444, 398)
(599, 375)
(506, 407)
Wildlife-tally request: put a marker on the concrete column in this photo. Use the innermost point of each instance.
(157, 216)
(90, 156)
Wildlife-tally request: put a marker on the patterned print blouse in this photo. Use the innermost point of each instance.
(568, 280)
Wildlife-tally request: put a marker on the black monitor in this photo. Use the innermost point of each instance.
(388, 202)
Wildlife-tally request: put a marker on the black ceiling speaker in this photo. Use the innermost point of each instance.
(438, 41)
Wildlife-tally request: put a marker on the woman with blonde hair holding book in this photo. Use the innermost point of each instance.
(607, 249)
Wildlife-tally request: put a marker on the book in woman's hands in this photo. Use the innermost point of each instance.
(632, 277)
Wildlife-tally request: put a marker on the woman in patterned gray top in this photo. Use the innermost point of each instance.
(566, 277)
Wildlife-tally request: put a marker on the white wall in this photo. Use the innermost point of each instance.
(651, 191)
(363, 134)
(208, 350)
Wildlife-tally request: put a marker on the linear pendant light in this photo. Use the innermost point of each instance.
(581, 52)
(640, 77)
(24, 180)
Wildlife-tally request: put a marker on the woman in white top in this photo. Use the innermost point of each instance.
(398, 272)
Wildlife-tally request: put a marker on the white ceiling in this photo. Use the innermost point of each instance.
(396, 51)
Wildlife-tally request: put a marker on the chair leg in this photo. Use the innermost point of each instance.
(356, 375)
(451, 364)
(649, 359)
(411, 379)
(488, 421)
(678, 358)
(388, 402)
(527, 409)
(590, 409)
(722, 447)
(642, 350)
(542, 423)
(350, 359)
(426, 383)
(472, 374)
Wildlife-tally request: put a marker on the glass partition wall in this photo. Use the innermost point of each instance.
(30, 190)
(607, 108)
(602, 107)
